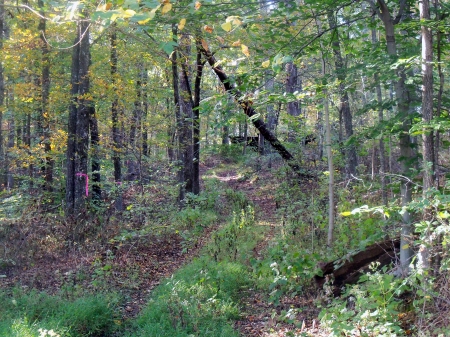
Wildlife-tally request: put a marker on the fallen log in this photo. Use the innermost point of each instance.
(246, 105)
(348, 270)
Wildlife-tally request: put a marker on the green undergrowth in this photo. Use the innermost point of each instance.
(203, 298)
(37, 314)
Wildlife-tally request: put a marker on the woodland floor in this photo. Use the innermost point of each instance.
(137, 268)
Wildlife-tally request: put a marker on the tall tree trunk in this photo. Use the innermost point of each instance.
(144, 80)
(47, 167)
(440, 91)
(134, 169)
(427, 116)
(178, 118)
(77, 188)
(344, 104)
(2, 96)
(117, 144)
(72, 128)
(196, 107)
(11, 137)
(380, 120)
(187, 114)
(83, 117)
(95, 150)
(406, 152)
(293, 108)
(427, 97)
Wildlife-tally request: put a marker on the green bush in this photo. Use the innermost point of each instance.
(370, 308)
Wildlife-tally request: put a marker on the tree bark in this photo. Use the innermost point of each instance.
(246, 105)
(134, 169)
(406, 152)
(2, 96)
(344, 103)
(440, 91)
(178, 118)
(427, 115)
(293, 108)
(83, 112)
(196, 107)
(382, 151)
(187, 113)
(116, 139)
(72, 128)
(95, 150)
(48, 163)
(427, 97)
(77, 180)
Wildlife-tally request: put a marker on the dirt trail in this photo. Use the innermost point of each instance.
(258, 317)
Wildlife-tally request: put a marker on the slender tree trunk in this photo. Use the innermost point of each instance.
(330, 238)
(344, 104)
(440, 91)
(134, 170)
(2, 96)
(144, 80)
(178, 118)
(47, 167)
(95, 150)
(187, 114)
(117, 144)
(196, 132)
(406, 153)
(380, 120)
(77, 180)
(293, 108)
(83, 117)
(427, 97)
(11, 137)
(72, 128)
(427, 116)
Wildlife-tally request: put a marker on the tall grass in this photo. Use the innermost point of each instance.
(30, 314)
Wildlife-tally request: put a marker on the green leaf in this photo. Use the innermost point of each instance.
(168, 47)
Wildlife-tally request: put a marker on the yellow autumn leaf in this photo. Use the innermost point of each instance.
(406, 246)
(104, 7)
(150, 14)
(208, 29)
(197, 5)
(166, 8)
(236, 43)
(182, 24)
(237, 22)
(226, 26)
(128, 13)
(143, 22)
(265, 64)
(346, 213)
(245, 50)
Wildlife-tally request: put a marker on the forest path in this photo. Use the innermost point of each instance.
(261, 317)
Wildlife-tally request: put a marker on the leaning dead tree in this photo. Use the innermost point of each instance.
(246, 105)
(348, 270)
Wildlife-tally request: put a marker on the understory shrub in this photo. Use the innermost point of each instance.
(369, 308)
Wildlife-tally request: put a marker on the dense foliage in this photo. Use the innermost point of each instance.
(110, 113)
